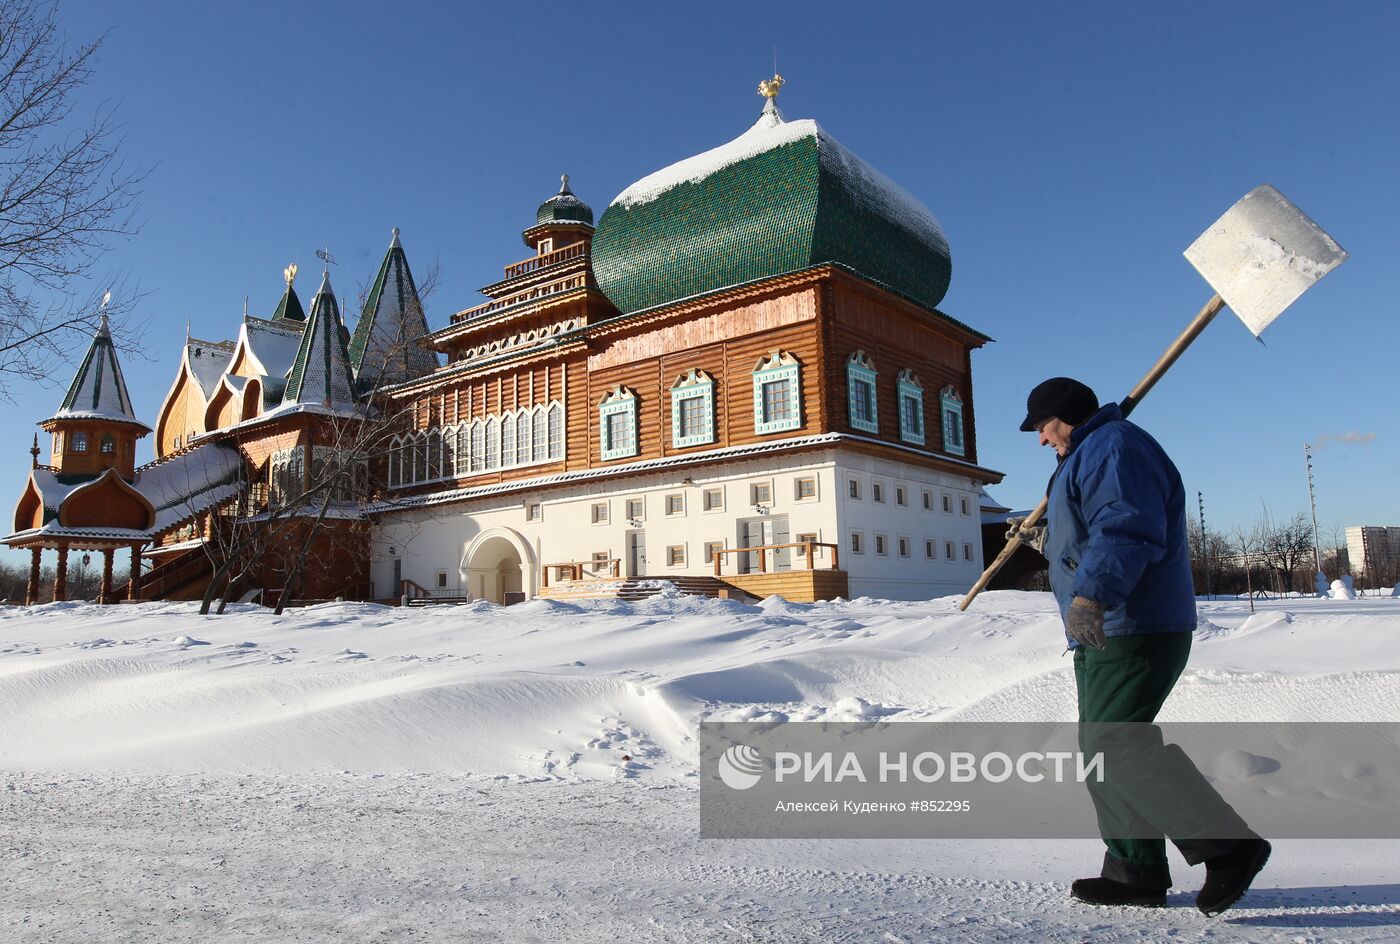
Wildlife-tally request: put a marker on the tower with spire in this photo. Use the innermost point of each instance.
(321, 373)
(388, 344)
(95, 428)
(289, 307)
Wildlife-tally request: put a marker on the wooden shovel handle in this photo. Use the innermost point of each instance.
(1005, 554)
(1164, 363)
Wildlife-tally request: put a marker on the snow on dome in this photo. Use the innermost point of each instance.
(781, 198)
(770, 131)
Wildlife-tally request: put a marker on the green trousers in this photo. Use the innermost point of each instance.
(1151, 791)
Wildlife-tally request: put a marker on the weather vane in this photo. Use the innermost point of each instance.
(290, 273)
(768, 88)
(325, 256)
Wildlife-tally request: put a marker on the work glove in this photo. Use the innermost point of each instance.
(1084, 624)
(1034, 536)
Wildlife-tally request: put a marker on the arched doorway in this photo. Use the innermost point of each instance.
(499, 566)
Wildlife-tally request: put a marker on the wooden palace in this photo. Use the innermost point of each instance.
(738, 381)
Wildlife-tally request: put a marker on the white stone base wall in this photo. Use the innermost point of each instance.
(875, 516)
(489, 546)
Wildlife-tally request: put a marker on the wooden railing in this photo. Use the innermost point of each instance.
(573, 570)
(510, 301)
(563, 254)
(172, 454)
(416, 591)
(172, 574)
(762, 551)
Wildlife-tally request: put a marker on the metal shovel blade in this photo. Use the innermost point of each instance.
(1262, 254)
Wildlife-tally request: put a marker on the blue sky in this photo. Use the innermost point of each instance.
(1071, 151)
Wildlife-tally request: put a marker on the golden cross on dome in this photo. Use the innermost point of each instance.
(290, 274)
(768, 88)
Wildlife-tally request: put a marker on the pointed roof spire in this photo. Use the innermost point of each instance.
(386, 347)
(321, 372)
(769, 89)
(98, 390)
(564, 207)
(289, 308)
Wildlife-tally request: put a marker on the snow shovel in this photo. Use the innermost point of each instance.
(1259, 257)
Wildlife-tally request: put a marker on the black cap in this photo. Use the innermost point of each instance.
(1063, 398)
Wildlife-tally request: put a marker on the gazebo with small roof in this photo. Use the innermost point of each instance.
(86, 499)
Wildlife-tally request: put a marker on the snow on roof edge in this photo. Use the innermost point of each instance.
(770, 132)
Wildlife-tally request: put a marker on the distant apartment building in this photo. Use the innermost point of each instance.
(1374, 551)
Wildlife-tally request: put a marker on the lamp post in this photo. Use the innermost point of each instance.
(1319, 578)
(1205, 543)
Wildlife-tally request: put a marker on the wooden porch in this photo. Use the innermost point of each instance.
(805, 584)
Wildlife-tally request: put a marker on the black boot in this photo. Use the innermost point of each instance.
(1105, 891)
(1228, 876)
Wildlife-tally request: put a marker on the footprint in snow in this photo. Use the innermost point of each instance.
(351, 654)
(95, 644)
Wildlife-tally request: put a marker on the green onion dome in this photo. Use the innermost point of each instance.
(782, 197)
(564, 207)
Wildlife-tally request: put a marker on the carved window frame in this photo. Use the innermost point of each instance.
(779, 366)
(911, 405)
(693, 385)
(619, 401)
(860, 372)
(950, 408)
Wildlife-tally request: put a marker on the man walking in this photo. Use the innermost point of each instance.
(1115, 537)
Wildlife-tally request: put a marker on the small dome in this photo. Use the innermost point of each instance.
(564, 207)
(782, 197)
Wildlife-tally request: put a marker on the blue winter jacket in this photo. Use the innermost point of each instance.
(1116, 529)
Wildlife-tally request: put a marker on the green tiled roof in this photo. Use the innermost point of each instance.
(386, 346)
(98, 390)
(321, 371)
(564, 207)
(289, 308)
(781, 198)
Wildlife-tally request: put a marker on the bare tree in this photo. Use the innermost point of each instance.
(1285, 547)
(14, 582)
(64, 193)
(1211, 554)
(275, 522)
(1248, 543)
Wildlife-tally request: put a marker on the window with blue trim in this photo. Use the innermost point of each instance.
(777, 394)
(911, 408)
(950, 405)
(860, 393)
(617, 424)
(693, 409)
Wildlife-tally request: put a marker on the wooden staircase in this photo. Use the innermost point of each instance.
(176, 573)
(640, 588)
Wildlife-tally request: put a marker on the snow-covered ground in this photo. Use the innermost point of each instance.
(352, 772)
